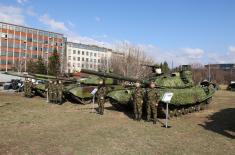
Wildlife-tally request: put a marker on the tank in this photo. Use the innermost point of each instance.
(188, 97)
(75, 90)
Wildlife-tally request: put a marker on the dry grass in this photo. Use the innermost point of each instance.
(32, 126)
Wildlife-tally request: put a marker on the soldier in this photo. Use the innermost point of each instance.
(54, 92)
(138, 101)
(60, 92)
(26, 87)
(50, 92)
(152, 103)
(101, 93)
(30, 88)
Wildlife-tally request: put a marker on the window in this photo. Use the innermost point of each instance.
(87, 59)
(94, 54)
(95, 60)
(91, 54)
(90, 65)
(69, 64)
(82, 59)
(78, 52)
(69, 52)
(78, 59)
(91, 60)
(29, 39)
(74, 58)
(98, 60)
(74, 51)
(82, 65)
(82, 52)
(87, 53)
(78, 64)
(69, 57)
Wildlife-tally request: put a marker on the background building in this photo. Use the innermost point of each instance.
(19, 44)
(87, 56)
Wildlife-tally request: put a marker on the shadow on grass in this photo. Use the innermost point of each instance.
(222, 122)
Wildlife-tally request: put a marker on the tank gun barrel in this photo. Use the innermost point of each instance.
(108, 75)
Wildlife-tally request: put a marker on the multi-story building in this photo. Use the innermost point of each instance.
(19, 44)
(221, 66)
(86, 56)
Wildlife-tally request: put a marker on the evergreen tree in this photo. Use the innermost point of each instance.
(54, 64)
(30, 66)
(165, 67)
(40, 67)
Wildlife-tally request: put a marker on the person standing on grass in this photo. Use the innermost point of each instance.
(101, 94)
(138, 101)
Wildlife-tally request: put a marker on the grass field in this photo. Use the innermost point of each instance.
(32, 126)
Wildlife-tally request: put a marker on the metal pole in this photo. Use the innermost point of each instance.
(209, 73)
(166, 115)
(93, 104)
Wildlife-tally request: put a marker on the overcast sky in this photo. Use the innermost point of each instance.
(185, 31)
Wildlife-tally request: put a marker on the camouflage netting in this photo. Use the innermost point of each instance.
(182, 80)
(95, 80)
(185, 96)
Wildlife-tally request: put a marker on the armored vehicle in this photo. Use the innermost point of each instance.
(188, 97)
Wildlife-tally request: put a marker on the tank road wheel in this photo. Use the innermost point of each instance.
(84, 101)
(186, 110)
(171, 113)
(183, 111)
(191, 109)
(197, 107)
(178, 113)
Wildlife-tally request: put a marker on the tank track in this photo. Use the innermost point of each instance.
(177, 111)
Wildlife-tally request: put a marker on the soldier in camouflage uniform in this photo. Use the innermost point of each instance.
(26, 87)
(101, 94)
(54, 92)
(60, 92)
(138, 101)
(30, 88)
(152, 102)
(50, 92)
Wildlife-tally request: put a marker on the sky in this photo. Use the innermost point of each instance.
(182, 31)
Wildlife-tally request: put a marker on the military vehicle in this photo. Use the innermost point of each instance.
(75, 90)
(188, 97)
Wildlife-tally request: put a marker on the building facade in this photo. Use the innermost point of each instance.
(86, 56)
(221, 66)
(18, 44)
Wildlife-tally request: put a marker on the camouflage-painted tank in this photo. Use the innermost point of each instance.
(188, 97)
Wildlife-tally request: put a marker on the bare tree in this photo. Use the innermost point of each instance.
(129, 62)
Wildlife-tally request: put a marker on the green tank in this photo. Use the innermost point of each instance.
(188, 96)
(74, 90)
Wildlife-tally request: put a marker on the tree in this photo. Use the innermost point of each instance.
(165, 67)
(54, 64)
(128, 61)
(40, 67)
(31, 66)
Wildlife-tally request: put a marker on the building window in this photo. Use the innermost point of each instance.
(94, 54)
(78, 64)
(87, 53)
(90, 60)
(82, 65)
(78, 52)
(74, 51)
(78, 59)
(69, 52)
(82, 52)
(87, 59)
(95, 60)
(82, 59)
(90, 65)
(98, 60)
(74, 58)
(91, 54)
(69, 58)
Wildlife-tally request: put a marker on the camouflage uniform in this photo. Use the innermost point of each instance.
(30, 87)
(152, 103)
(54, 92)
(26, 88)
(60, 92)
(50, 91)
(138, 102)
(101, 93)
